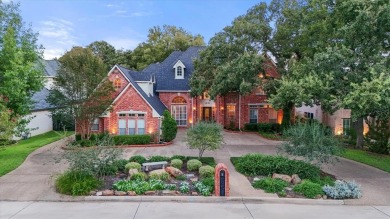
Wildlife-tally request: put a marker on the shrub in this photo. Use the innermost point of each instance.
(205, 136)
(205, 160)
(170, 187)
(184, 187)
(76, 183)
(177, 163)
(86, 143)
(156, 184)
(206, 171)
(78, 137)
(164, 176)
(311, 141)
(308, 189)
(264, 127)
(93, 137)
(158, 158)
(137, 158)
(209, 182)
(193, 164)
(323, 181)
(180, 157)
(131, 139)
(251, 127)
(132, 165)
(120, 164)
(377, 138)
(99, 161)
(258, 164)
(343, 189)
(270, 185)
(181, 177)
(139, 176)
(168, 127)
(138, 186)
(203, 189)
(103, 135)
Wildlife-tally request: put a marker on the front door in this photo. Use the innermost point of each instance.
(206, 114)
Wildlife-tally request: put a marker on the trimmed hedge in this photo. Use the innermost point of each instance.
(131, 139)
(266, 165)
(133, 165)
(193, 165)
(206, 171)
(177, 163)
(137, 158)
(263, 127)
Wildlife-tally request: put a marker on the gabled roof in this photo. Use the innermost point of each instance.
(51, 67)
(165, 73)
(39, 100)
(153, 101)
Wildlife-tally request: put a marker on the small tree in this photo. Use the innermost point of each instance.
(169, 127)
(312, 141)
(205, 136)
(6, 125)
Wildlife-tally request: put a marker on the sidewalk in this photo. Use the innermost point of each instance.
(170, 210)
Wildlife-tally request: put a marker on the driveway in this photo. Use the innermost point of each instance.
(33, 180)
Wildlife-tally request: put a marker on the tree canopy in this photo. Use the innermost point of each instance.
(109, 55)
(82, 89)
(161, 42)
(21, 69)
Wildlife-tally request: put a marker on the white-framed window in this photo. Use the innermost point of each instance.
(346, 126)
(179, 70)
(95, 125)
(131, 124)
(179, 114)
(253, 115)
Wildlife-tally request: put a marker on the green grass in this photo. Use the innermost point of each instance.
(376, 160)
(12, 156)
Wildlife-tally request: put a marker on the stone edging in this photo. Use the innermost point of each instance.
(122, 146)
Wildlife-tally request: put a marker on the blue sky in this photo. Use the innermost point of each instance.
(124, 24)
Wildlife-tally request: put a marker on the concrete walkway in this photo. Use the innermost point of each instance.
(169, 210)
(33, 180)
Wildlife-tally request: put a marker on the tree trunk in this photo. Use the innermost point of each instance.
(358, 126)
(286, 122)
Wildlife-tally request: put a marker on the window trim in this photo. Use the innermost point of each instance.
(94, 123)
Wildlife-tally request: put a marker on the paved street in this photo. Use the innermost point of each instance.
(169, 210)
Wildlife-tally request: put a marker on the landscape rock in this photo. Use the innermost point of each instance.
(108, 193)
(295, 179)
(100, 193)
(131, 193)
(194, 179)
(256, 179)
(325, 197)
(283, 177)
(120, 193)
(150, 192)
(173, 171)
(92, 193)
(169, 192)
(194, 193)
(190, 175)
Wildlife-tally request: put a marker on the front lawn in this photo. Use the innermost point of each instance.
(12, 156)
(376, 160)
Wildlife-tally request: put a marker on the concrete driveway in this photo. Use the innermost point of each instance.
(33, 180)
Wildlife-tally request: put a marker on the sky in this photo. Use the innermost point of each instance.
(62, 24)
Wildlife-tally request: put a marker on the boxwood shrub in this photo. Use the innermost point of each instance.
(206, 171)
(265, 165)
(193, 164)
(133, 165)
(131, 139)
(177, 163)
(158, 158)
(137, 158)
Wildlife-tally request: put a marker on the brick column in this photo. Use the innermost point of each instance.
(221, 169)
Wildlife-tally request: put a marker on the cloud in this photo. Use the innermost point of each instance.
(56, 35)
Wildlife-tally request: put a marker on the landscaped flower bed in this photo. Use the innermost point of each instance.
(292, 178)
(181, 176)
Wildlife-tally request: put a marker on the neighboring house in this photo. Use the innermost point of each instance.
(141, 98)
(40, 111)
(339, 122)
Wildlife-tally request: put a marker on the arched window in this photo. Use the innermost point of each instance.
(179, 110)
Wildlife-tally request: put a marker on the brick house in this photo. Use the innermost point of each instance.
(141, 98)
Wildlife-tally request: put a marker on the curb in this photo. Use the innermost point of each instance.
(201, 199)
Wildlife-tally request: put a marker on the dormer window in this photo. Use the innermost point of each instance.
(179, 70)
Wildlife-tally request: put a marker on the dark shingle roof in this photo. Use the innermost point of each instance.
(51, 67)
(154, 101)
(39, 100)
(165, 73)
